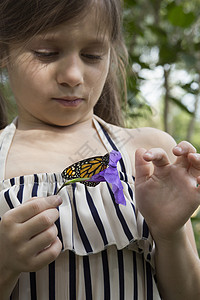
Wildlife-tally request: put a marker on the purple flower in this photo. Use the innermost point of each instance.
(111, 175)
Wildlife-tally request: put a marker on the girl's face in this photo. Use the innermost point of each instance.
(58, 77)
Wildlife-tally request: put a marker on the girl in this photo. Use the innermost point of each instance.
(63, 59)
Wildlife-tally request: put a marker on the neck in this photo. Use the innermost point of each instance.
(23, 125)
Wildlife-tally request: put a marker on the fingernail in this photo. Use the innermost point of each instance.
(179, 149)
(59, 200)
(149, 154)
(196, 155)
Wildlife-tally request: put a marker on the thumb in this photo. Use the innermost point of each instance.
(142, 167)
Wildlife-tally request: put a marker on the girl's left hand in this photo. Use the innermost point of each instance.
(168, 195)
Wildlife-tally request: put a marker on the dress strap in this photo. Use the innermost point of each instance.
(105, 131)
(111, 141)
(6, 138)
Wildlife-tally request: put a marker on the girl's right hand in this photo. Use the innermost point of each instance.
(28, 236)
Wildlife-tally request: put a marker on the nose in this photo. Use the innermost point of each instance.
(70, 71)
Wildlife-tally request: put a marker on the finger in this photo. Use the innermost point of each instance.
(158, 157)
(40, 222)
(35, 206)
(47, 255)
(194, 168)
(194, 159)
(42, 240)
(142, 167)
(181, 151)
(198, 189)
(183, 148)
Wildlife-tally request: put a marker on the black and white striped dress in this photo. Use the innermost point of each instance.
(107, 248)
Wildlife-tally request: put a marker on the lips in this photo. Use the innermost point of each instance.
(69, 100)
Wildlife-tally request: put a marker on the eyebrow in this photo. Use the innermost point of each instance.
(52, 38)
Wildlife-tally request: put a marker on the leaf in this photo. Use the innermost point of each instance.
(159, 32)
(197, 46)
(181, 105)
(168, 54)
(189, 59)
(187, 87)
(129, 3)
(178, 17)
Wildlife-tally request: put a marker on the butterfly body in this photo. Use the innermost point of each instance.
(86, 168)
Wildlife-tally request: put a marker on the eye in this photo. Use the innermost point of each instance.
(45, 54)
(92, 57)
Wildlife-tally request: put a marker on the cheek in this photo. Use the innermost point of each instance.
(96, 84)
(97, 77)
(26, 82)
(18, 75)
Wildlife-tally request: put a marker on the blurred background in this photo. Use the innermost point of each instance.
(163, 40)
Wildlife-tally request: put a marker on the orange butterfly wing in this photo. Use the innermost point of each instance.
(86, 168)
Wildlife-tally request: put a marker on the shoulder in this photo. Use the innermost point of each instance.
(145, 137)
(154, 138)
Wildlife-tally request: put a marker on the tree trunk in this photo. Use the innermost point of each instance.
(166, 97)
(193, 119)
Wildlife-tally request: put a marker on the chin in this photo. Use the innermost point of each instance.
(67, 122)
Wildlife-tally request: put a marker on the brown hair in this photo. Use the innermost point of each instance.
(22, 19)
(3, 113)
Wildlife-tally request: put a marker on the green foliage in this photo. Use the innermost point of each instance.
(166, 34)
(10, 101)
(166, 25)
(181, 105)
(177, 16)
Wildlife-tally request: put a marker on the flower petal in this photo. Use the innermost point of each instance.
(111, 175)
(98, 177)
(115, 156)
(119, 197)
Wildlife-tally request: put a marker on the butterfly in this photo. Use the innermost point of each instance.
(86, 168)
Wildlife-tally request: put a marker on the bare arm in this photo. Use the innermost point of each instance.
(28, 240)
(178, 268)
